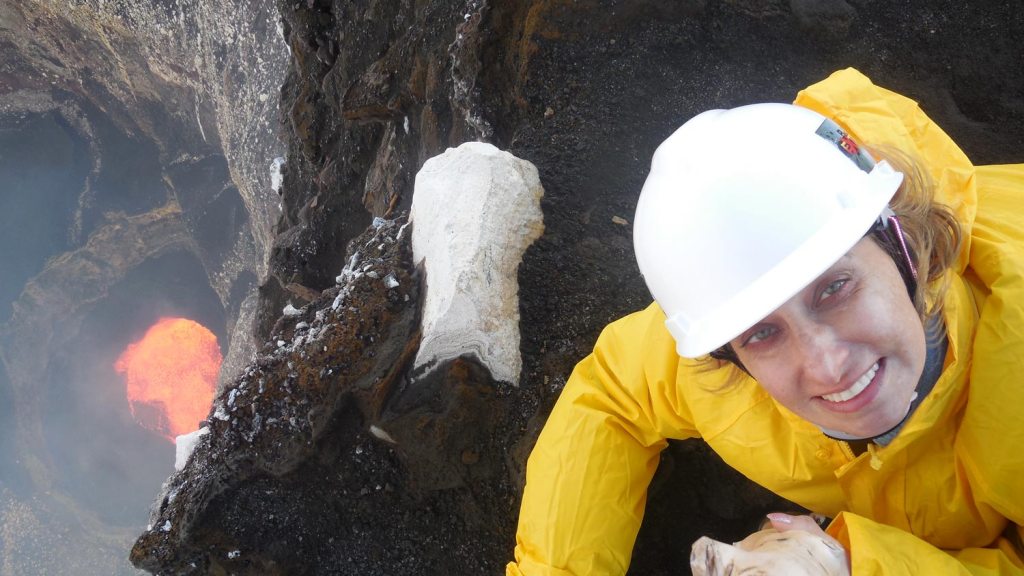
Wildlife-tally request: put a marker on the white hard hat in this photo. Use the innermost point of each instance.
(745, 207)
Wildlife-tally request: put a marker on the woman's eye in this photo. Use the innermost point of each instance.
(832, 288)
(759, 335)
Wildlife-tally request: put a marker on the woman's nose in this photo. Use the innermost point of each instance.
(823, 357)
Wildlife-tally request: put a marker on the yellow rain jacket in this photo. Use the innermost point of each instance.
(946, 496)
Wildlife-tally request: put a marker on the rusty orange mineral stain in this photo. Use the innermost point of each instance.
(171, 374)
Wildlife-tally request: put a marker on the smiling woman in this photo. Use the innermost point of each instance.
(847, 351)
(863, 332)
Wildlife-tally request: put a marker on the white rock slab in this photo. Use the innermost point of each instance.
(475, 210)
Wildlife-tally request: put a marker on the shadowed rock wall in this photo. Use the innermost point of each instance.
(586, 90)
(136, 138)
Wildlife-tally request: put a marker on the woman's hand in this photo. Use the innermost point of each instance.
(793, 546)
(785, 522)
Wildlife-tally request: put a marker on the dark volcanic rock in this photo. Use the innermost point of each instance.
(325, 456)
(372, 92)
(335, 361)
(586, 90)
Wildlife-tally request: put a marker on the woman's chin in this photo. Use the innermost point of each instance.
(874, 419)
(867, 430)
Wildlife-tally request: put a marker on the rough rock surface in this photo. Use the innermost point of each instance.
(187, 89)
(268, 423)
(324, 436)
(135, 145)
(585, 91)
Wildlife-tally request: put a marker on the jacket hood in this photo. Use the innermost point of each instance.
(878, 117)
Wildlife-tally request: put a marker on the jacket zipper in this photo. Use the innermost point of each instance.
(847, 451)
(876, 461)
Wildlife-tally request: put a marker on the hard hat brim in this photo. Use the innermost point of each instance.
(799, 269)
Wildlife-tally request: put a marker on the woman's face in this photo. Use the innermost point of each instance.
(847, 351)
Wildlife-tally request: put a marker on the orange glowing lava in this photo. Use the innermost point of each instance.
(171, 375)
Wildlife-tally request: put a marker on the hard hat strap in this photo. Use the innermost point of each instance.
(901, 238)
(888, 231)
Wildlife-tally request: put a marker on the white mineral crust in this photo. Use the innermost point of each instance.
(185, 444)
(475, 210)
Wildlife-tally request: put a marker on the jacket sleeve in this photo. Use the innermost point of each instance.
(880, 549)
(587, 477)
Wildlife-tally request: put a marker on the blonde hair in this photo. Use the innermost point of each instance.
(931, 230)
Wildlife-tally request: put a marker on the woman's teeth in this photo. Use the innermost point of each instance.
(857, 387)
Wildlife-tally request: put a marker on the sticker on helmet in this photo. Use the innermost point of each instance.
(831, 131)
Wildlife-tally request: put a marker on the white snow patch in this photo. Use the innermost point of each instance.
(166, 527)
(380, 433)
(198, 120)
(349, 272)
(220, 414)
(290, 310)
(185, 444)
(390, 281)
(475, 211)
(234, 554)
(276, 178)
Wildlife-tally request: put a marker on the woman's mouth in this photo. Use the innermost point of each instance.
(853, 391)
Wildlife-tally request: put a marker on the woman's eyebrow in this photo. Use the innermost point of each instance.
(842, 260)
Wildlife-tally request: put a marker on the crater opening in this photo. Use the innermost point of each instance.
(102, 456)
